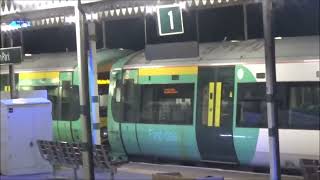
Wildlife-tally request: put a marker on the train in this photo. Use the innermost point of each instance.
(58, 74)
(212, 108)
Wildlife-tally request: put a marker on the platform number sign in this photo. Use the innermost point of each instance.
(170, 20)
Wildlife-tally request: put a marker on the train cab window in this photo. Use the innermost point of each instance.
(298, 105)
(167, 104)
(131, 101)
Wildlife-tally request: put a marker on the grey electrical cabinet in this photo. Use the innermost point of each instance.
(23, 122)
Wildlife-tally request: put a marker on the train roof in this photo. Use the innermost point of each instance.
(62, 61)
(288, 49)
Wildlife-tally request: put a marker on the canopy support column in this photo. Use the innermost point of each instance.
(269, 45)
(87, 155)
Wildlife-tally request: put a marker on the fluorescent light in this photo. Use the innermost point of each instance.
(235, 41)
(70, 19)
(183, 5)
(278, 38)
(311, 60)
(226, 64)
(27, 55)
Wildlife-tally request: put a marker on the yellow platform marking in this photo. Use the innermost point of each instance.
(39, 75)
(218, 105)
(184, 70)
(210, 104)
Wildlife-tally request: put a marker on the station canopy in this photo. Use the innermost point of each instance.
(39, 13)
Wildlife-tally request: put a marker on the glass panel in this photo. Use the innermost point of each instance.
(167, 103)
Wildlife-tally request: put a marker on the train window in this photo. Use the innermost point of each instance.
(167, 103)
(103, 90)
(65, 101)
(53, 96)
(251, 105)
(131, 101)
(298, 105)
(301, 107)
(5, 83)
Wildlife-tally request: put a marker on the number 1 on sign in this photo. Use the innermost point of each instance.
(171, 20)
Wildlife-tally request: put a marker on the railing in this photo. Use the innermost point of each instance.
(310, 169)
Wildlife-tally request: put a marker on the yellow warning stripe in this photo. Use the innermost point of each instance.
(39, 75)
(184, 70)
(218, 105)
(210, 104)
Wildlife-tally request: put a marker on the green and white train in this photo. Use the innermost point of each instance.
(58, 74)
(212, 108)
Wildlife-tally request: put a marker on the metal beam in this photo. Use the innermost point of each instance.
(104, 34)
(245, 21)
(2, 40)
(88, 166)
(269, 45)
(117, 9)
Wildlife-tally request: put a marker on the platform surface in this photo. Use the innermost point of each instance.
(144, 171)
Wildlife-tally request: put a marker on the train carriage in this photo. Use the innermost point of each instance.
(58, 74)
(212, 108)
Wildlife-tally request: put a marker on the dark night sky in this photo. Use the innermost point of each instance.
(292, 18)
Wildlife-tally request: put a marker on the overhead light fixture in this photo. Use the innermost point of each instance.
(27, 55)
(149, 9)
(278, 38)
(235, 41)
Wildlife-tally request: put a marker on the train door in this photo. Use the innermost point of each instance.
(215, 114)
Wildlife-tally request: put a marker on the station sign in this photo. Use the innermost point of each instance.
(170, 20)
(12, 55)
